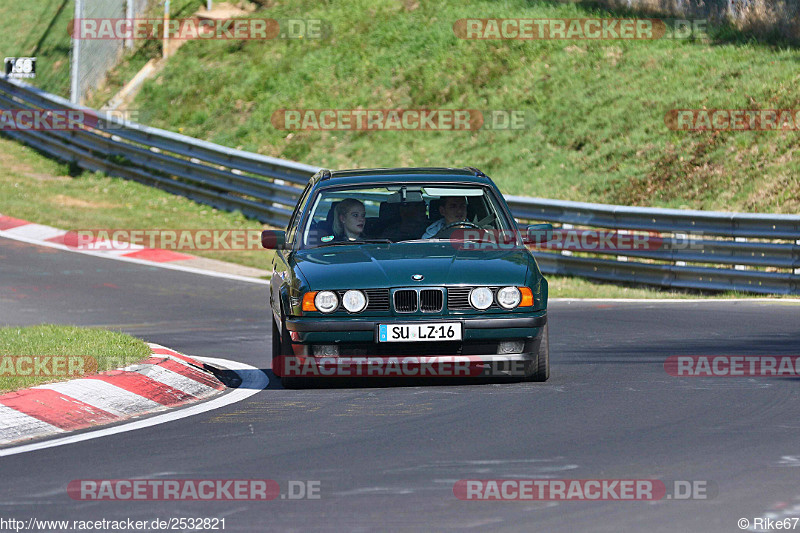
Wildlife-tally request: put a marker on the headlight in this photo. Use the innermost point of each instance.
(354, 301)
(481, 298)
(509, 297)
(326, 301)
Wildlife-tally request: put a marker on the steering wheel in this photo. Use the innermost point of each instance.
(453, 225)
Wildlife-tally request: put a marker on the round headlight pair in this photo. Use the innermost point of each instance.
(508, 298)
(353, 301)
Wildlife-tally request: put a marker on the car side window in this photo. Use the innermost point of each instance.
(297, 215)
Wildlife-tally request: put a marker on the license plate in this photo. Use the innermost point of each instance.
(440, 331)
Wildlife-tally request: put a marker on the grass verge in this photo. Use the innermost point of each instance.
(92, 350)
(569, 287)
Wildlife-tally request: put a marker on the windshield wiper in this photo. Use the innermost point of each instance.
(421, 240)
(359, 241)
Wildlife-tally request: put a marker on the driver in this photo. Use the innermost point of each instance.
(453, 209)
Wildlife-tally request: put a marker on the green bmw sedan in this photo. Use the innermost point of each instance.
(406, 272)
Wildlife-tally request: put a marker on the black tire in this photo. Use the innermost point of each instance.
(540, 369)
(281, 347)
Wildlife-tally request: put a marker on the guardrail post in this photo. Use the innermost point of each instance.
(684, 237)
(740, 239)
(565, 239)
(622, 258)
(796, 255)
(75, 82)
(129, 16)
(165, 51)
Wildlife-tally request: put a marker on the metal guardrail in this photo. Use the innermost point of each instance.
(262, 187)
(697, 248)
(768, 265)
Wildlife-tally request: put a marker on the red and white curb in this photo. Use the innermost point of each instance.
(167, 379)
(253, 380)
(22, 230)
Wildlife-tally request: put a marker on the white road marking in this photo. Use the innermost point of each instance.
(116, 253)
(253, 381)
(111, 246)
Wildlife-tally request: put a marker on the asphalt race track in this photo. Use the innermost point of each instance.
(387, 457)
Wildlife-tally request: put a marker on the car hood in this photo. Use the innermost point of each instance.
(376, 266)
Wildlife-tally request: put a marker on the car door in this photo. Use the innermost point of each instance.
(281, 270)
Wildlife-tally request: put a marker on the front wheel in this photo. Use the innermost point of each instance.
(281, 348)
(540, 369)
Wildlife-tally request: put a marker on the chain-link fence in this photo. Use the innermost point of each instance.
(93, 58)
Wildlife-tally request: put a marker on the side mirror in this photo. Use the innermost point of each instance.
(273, 239)
(538, 234)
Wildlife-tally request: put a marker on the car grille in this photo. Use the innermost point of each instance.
(405, 300)
(458, 298)
(377, 299)
(425, 300)
(431, 300)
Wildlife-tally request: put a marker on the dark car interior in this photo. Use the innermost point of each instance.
(389, 222)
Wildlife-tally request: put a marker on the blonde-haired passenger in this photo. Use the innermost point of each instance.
(349, 219)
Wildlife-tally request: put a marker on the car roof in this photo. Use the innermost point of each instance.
(413, 175)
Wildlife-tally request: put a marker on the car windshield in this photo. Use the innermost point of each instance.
(400, 213)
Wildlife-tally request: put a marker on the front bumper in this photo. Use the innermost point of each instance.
(478, 354)
(305, 330)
